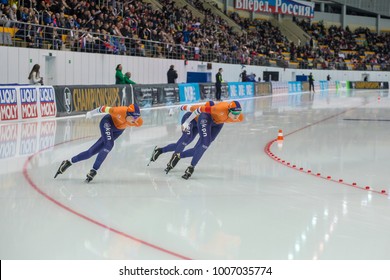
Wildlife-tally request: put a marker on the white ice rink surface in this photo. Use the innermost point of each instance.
(241, 202)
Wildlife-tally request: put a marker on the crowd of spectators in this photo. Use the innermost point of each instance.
(338, 48)
(136, 28)
(130, 27)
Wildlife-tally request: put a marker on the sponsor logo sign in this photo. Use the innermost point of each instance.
(8, 104)
(189, 93)
(68, 100)
(47, 101)
(29, 102)
(240, 90)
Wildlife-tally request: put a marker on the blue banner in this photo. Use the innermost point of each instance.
(241, 90)
(189, 93)
(324, 85)
(294, 87)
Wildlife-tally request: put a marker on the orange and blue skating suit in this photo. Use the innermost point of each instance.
(187, 136)
(111, 127)
(210, 122)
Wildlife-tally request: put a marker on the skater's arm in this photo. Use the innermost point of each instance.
(101, 109)
(186, 124)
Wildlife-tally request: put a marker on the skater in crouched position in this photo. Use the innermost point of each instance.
(186, 138)
(111, 127)
(210, 122)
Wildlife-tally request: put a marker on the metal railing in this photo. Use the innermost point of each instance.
(19, 34)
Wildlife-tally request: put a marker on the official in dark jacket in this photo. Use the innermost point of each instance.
(218, 84)
(172, 75)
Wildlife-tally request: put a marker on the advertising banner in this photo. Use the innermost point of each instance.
(145, 95)
(342, 85)
(294, 87)
(241, 90)
(287, 7)
(262, 89)
(324, 85)
(27, 102)
(160, 94)
(8, 104)
(169, 95)
(47, 101)
(279, 87)
(369, 85)
(78, 99)
(189, 93)
(207, 91)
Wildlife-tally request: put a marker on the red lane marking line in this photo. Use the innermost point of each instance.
(41, 192)
(267, 150)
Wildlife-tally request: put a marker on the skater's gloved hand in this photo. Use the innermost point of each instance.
(185, 127)
(185, 108)
(91, 114)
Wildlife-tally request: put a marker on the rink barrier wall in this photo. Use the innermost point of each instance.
(35, 102)
(27, 102)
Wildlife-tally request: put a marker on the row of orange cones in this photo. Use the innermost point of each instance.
(280, 140)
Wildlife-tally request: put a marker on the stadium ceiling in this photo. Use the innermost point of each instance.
(381, 7)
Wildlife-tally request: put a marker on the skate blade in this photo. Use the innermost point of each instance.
(58, 173)
(151, 156)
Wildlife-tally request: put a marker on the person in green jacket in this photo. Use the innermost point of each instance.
(127, 79)
(119, 78)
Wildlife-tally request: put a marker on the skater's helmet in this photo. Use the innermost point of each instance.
(133, 110)
(235, 108)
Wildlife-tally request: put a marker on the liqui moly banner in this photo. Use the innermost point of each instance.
(27, 102)
(8, 104)
(287, 7)
(47, 99)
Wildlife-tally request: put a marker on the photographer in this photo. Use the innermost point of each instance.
(243, 76)
(172, 75)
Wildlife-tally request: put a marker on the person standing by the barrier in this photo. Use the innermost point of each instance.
(218, 84)
(119, 78)
(172, 75)
(243, 76)
(311, 82)
(328, 78)
(111, 127)
(128, 81)
(35, 77)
